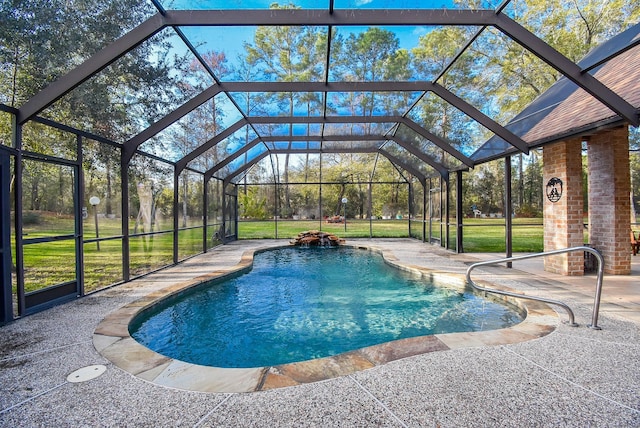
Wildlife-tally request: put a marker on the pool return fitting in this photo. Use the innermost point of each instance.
(572, 323)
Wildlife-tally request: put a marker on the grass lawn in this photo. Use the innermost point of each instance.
(289, 229)
(488, 235)
(51, 263)
(480, 235)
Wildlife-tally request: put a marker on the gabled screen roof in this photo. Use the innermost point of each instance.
(406, 79)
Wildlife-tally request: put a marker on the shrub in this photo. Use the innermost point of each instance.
(30, 218)
(528, 211)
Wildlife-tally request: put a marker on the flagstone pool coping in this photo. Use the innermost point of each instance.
(112, 340)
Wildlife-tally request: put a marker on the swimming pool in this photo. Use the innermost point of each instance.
(301, 304)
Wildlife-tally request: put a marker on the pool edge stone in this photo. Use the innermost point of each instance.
(113, 341)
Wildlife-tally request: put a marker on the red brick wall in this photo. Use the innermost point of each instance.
(563, 220)
(609, 203)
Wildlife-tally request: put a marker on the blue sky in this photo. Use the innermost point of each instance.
(230, 39)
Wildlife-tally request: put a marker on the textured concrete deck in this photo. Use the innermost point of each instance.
(569, 377)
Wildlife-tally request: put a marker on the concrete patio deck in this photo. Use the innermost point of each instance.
(574, 376)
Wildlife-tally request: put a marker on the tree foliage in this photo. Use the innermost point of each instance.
(41, 41)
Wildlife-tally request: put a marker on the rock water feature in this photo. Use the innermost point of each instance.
(316, 238)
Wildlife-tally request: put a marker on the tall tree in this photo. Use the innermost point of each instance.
(434, 52)
(288, 54)
(512, 76)
(201, 124)
(372, 55)
(42, 41)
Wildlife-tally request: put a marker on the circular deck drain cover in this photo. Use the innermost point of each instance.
(86, 373)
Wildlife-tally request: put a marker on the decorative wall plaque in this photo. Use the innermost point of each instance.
(554, 189)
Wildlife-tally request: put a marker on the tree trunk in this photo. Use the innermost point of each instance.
(108, 205)
(520, 180)
(184, 201)
(343, 190)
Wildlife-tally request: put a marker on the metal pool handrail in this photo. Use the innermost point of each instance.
(596, 300)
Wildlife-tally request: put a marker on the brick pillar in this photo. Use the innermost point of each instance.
(609, 203)
(563, 221)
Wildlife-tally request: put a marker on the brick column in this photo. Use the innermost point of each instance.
(563, 221)
(609, 203)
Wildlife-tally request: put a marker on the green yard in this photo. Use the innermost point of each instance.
(480, 235)
(49, 263)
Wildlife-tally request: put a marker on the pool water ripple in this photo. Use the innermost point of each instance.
(301, 304)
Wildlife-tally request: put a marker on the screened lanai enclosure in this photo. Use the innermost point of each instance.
(136, 134)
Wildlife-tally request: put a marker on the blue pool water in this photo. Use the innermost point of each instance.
(300, 304)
